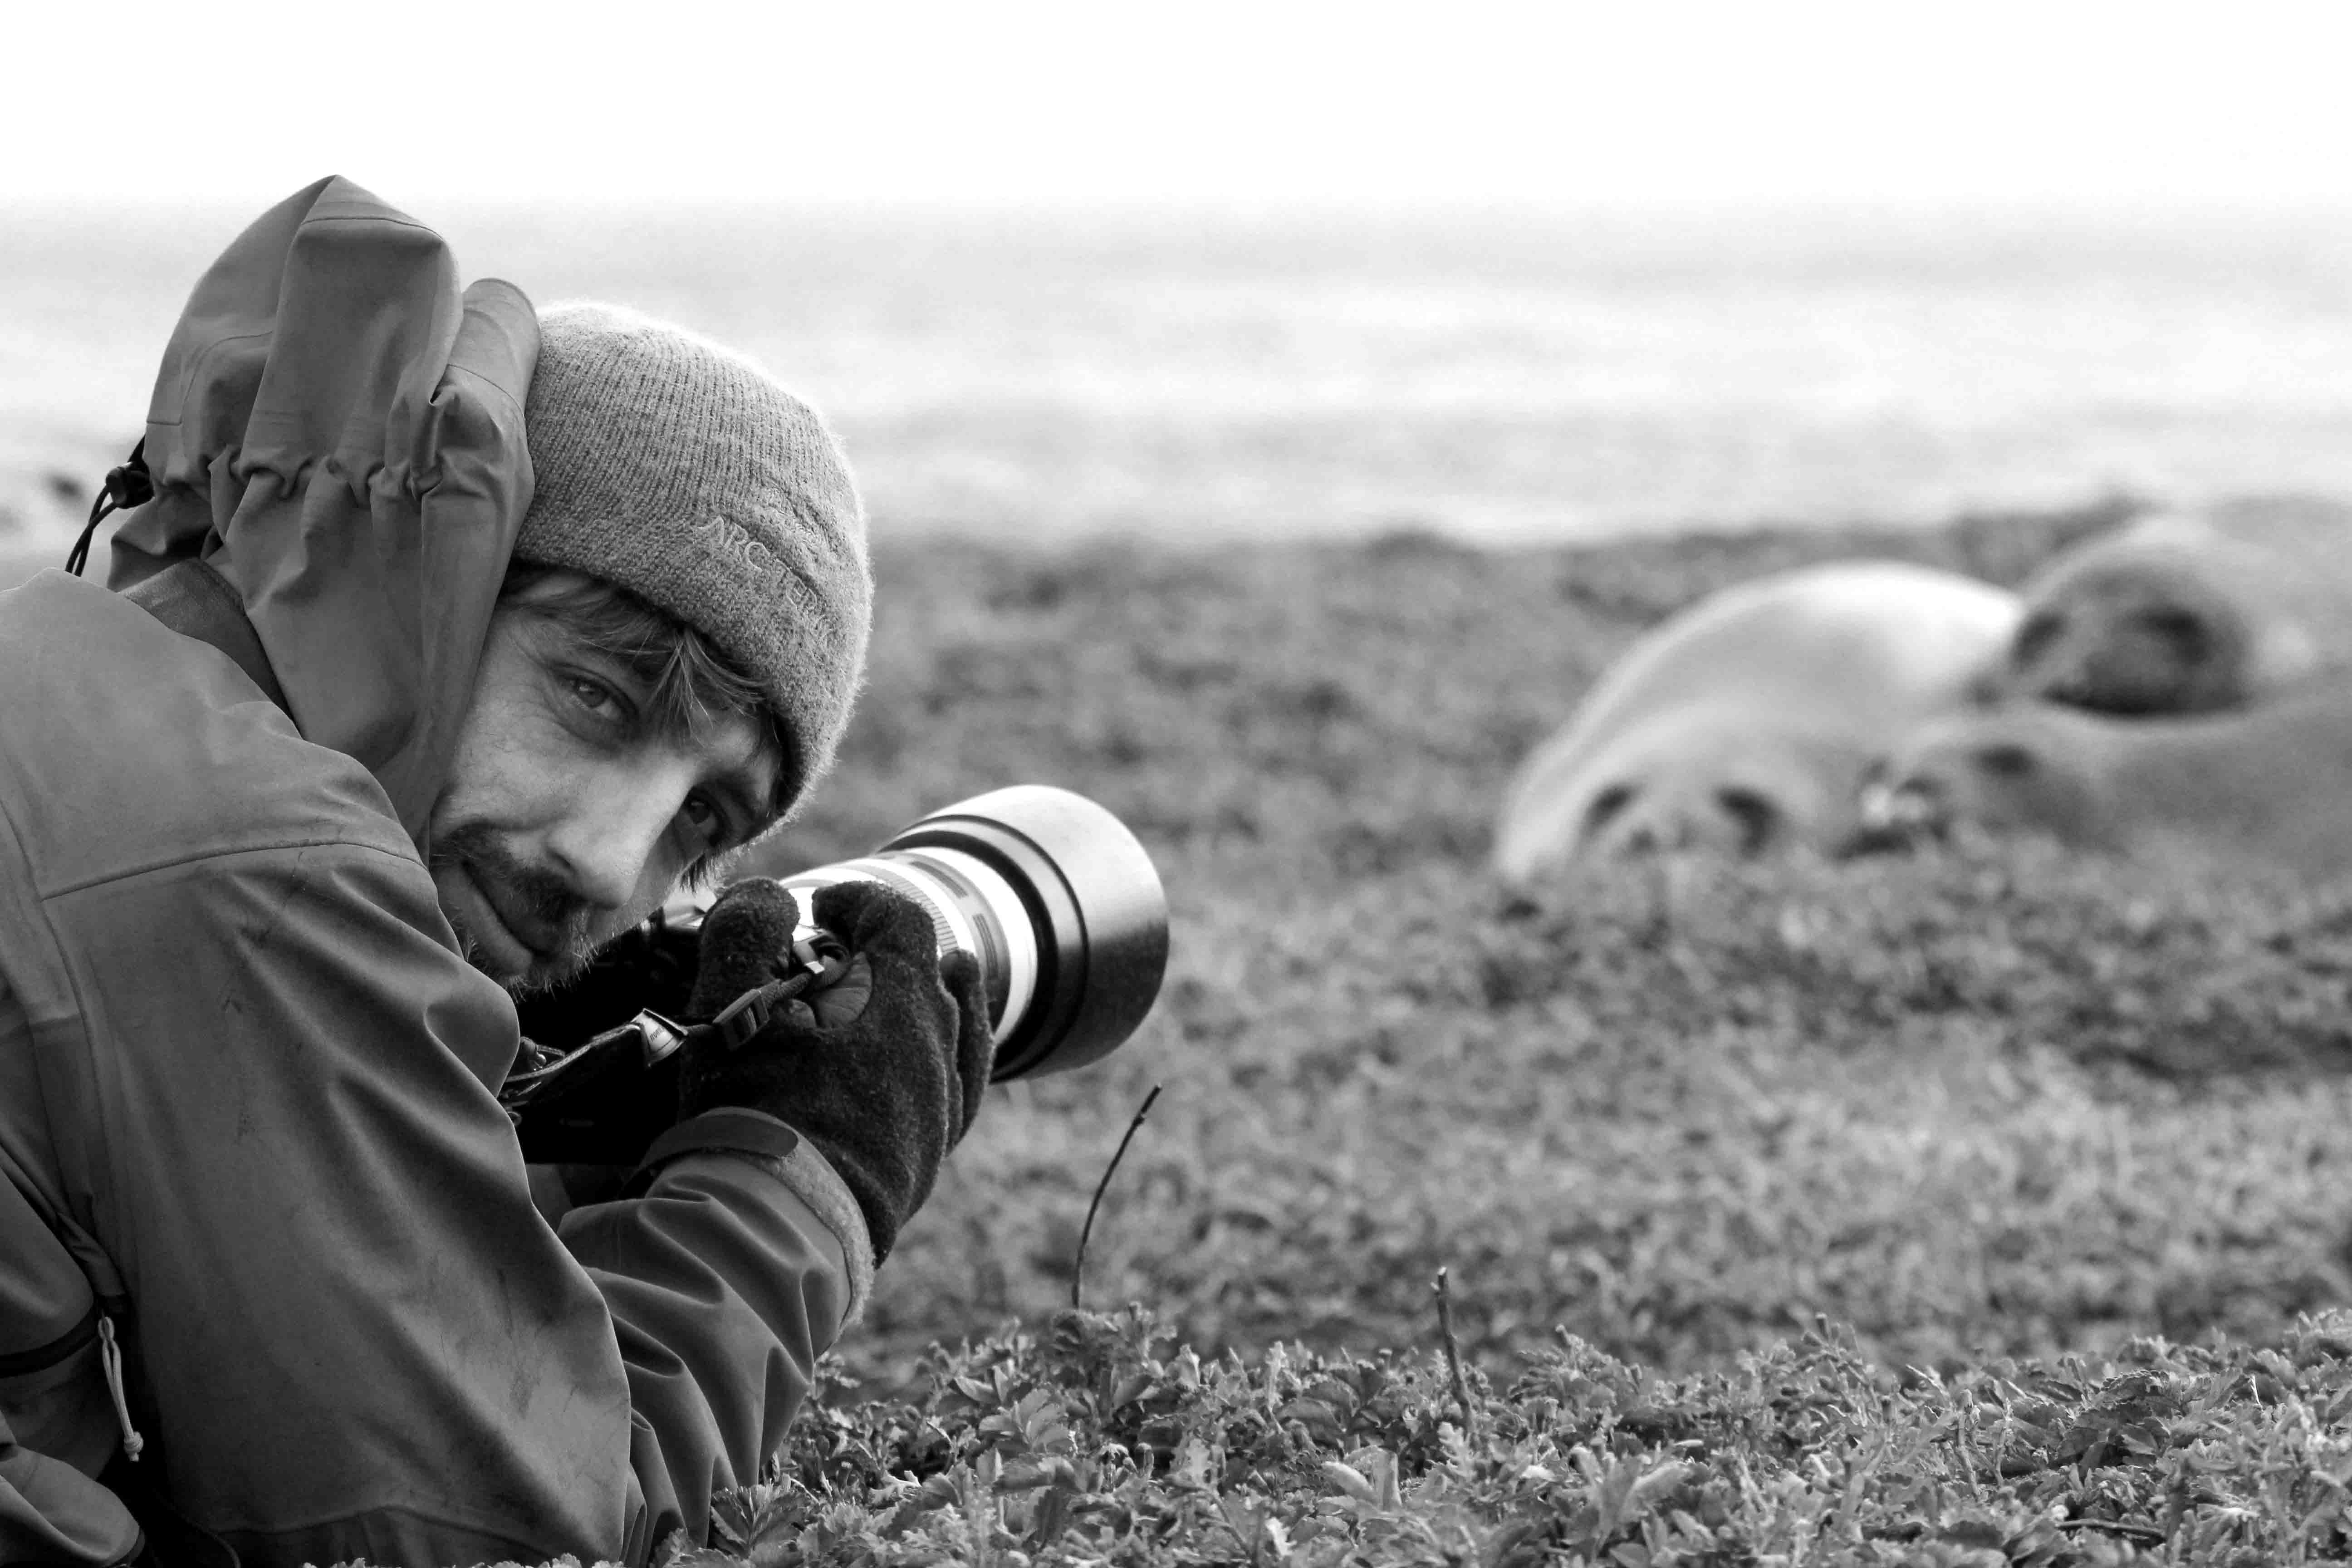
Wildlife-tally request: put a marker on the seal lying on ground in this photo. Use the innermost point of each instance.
(2271, 785)
(1745, 723)
(2189, 612)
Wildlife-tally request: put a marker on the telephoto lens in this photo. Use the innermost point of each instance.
(1051, 893)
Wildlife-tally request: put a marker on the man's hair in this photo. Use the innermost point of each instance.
(691, 680)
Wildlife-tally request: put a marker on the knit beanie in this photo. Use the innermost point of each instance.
(681, 471)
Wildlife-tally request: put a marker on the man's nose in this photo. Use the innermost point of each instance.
(612, 834)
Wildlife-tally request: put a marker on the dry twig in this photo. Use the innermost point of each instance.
(1078, 1264)
(1453, 1357)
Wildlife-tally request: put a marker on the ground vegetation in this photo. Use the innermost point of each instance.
(1969, 1207)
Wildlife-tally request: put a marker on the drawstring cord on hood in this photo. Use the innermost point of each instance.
(110, 1356)
(127, 485)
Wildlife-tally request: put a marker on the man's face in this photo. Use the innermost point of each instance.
(568, 816)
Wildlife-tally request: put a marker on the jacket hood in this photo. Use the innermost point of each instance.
(338, 430)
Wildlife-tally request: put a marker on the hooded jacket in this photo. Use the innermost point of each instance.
(250, 1136)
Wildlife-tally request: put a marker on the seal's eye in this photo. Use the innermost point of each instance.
(1606, 807)
(2036, 635)
(2182, 628)
(1755, 816)
(2005, 760)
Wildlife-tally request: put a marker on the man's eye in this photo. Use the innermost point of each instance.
(705, 818)
(594, 696)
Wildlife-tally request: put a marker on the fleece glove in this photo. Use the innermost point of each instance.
(882, 1069)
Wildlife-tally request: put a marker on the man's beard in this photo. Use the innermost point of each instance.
(530, 891)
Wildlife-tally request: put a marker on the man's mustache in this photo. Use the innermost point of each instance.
(551, 916)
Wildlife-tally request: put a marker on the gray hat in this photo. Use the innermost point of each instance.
(681, 471)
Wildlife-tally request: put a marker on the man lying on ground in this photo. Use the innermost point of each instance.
(374, 735)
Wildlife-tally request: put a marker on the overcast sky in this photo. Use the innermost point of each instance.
(999, 101)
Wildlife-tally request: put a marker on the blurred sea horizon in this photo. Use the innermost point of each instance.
(1501, 376)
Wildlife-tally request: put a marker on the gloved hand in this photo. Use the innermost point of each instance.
(882, 1071)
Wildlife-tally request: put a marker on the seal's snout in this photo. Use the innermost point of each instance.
(1897, 812)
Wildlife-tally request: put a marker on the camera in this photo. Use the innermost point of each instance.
(1049, 891)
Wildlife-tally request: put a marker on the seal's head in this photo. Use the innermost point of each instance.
(2131, 636)
(1691, 779)
(2009, 770)
(2181, 613)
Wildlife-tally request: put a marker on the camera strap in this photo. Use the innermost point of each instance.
(822, 962)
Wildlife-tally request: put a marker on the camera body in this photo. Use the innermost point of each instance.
(1050, 892)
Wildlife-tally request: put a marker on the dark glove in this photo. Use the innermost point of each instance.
(882, 1070)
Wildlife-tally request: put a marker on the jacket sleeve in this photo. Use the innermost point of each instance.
(356, 1336)
(724, 1284)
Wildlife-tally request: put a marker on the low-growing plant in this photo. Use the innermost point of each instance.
(1098, 1441)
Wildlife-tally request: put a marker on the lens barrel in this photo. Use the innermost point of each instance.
(1054, 897)
(1047, 890)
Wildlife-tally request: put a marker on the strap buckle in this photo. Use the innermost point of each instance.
(743, 1017)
